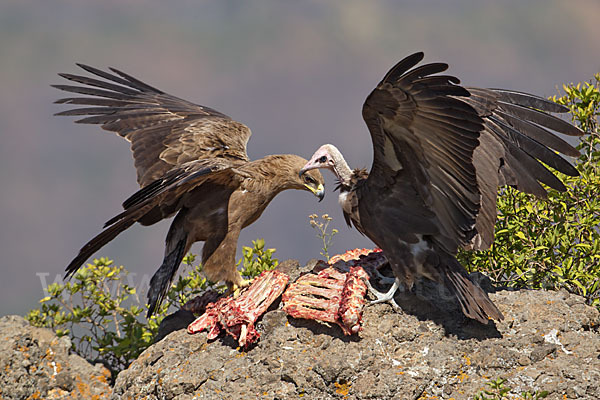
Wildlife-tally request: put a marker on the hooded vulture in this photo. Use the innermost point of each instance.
(191, 163)
(441, 151)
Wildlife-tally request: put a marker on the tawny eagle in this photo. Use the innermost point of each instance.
(441, 151)
(191, 162)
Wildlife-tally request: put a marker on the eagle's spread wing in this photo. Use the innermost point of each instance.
(442, 150)
(162, 198)
(191, 161)
(164, 131)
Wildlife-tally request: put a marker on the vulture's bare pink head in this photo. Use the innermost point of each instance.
(329, 157)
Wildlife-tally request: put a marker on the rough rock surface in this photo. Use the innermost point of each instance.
(548, 341)
(36, 364)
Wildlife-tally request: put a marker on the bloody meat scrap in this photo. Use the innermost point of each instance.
(237, 316)
(334, 293)
(331, 295)
(370, 259)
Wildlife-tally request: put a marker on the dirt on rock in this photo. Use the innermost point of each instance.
(548, 341)
(36, 364)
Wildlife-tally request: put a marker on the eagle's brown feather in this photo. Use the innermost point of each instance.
(191, 162)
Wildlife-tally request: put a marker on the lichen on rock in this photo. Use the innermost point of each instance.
(424, 351)
(36, 364)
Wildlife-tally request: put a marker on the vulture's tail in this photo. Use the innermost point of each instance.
(474, 302)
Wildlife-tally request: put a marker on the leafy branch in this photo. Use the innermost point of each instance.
(103, 316)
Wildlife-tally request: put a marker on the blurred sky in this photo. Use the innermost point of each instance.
(296, 72)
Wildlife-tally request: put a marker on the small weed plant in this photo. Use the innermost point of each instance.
(104, 316)
(257, 259)
(497, 390)
(321, 226)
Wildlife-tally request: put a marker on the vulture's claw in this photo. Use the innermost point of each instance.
(385, 296)
(384, 280)
(372, 261)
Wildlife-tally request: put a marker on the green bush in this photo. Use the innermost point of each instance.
(103, 315)
(498, 391)
(553, 243)
(257, 259)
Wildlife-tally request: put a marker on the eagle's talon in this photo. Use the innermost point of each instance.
(234, 290)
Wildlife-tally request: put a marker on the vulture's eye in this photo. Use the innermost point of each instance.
(323, 159)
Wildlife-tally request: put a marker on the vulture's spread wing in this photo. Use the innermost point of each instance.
(164, 131)
(517, 133)
(163, 197)
(423, 138)
(442, 150)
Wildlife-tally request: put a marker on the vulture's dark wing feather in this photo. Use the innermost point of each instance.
(517, 135)
(423, 136)
(164, 131)
(161, 199)
(530, 100)
(452, 147)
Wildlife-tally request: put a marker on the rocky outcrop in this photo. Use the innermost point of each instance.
(548, 341)
(36, 364)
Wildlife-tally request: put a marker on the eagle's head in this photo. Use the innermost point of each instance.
(296, 178)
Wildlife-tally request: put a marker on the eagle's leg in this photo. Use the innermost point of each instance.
(235, 289)
(386, 296)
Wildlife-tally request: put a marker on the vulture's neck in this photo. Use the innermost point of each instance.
(340, 167)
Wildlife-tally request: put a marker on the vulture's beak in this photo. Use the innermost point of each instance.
(309, 165)
(319, 191)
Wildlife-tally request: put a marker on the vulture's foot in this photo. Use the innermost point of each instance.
(386, 296)
(384, 280)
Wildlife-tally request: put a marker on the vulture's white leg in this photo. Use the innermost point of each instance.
(387, 296)
(386, 280)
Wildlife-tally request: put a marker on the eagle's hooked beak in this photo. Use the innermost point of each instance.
(319, 191)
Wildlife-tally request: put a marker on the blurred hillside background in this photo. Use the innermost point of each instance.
(296, 72)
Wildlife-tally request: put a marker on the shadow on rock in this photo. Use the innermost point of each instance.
(323, 328)
(431, 301)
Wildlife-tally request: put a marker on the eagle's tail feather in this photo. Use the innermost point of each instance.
(162, 278)
(97, 243)
(474, 302)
